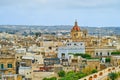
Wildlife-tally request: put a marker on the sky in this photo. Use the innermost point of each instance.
(97, 13)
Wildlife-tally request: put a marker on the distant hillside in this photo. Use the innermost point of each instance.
(58, 28)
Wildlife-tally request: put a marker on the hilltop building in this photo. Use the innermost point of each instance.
(77, 34)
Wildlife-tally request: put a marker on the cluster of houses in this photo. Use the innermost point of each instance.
(27, 57)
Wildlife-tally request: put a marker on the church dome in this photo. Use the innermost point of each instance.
(76, 27)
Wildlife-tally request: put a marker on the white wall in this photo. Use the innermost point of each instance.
(27, 71)
(71, 47)
(104, 52)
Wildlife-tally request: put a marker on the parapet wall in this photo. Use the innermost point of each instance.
(101, 75)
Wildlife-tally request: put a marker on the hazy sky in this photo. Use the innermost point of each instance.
(60, 12)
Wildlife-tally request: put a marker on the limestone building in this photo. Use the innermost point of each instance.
(77, 34)
(70, 49)
(8, 68)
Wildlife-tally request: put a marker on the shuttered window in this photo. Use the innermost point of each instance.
(9, 65)
(1, 66)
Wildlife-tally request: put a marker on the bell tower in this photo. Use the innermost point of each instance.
(76, 33)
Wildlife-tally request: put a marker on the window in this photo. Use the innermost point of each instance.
(69, 44)
(100, 53)
(50, 48)
(63, 55)
(20, 57)
(36, 60)
(96, 67)
(96, 54)
(18, 63)
(74, 43)
(85, 34)
(108, 53)
(56, 49)
(9, 65)
(74, 34)
(1, 66)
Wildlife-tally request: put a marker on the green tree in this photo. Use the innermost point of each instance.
(61, 73)
(80, 75)
(52, 78)
(107, 60)
(83, 55)
(115, 53)
(45, 79)
(94, 71)
(113, 76)
(71, 75)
